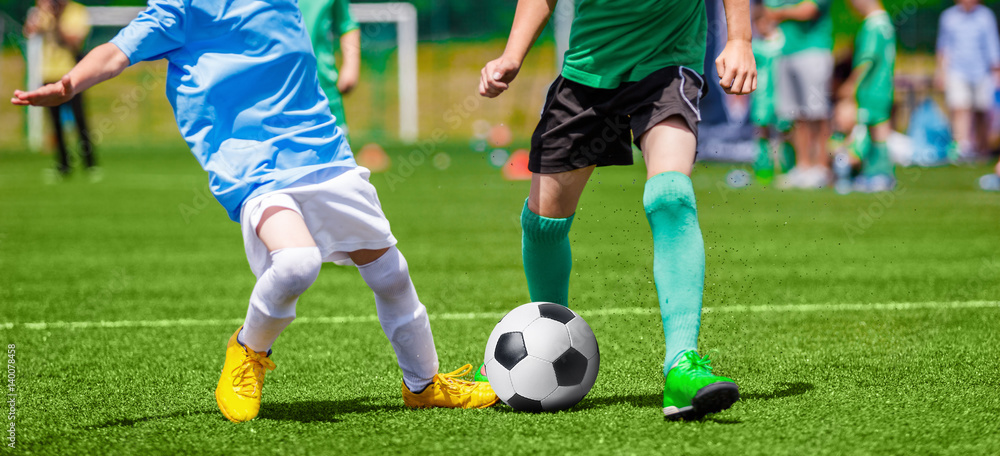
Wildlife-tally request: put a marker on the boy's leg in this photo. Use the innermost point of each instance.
(401, 314)
(404, 321)
(62, 155)
(294, 264)
(545, 223)
(678, 248)
(763, 165)
(877, 160)
(690, 389)
(86, 146)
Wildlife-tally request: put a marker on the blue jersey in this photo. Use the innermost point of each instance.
(242, 81)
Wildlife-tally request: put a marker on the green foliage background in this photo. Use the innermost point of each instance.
(916, 20)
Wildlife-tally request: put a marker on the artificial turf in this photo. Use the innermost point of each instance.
(148, 244)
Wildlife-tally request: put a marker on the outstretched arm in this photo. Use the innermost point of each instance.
(736, 66)
(529, 20)
(104, 62)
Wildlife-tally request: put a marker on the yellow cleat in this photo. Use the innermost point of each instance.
(446, 390)
(238, 393)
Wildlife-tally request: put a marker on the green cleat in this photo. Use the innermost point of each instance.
(691, 390)
(481, 374)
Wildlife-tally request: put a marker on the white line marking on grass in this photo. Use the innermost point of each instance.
(340, 320)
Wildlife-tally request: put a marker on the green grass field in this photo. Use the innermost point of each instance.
(120, 296)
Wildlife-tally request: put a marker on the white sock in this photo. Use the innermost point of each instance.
(403, 318)
(272, 303)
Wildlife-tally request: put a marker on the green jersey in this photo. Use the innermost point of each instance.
(806, 35)
(326, 21)
(766, 53)
(876, 46)
(615, 41)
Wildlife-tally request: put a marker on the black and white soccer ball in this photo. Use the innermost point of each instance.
(542, 357)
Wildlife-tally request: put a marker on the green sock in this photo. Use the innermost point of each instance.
(787, 160)
(763, 166)
(546, 254)
(678, 260)
(877, 160)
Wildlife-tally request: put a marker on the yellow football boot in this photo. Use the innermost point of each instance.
(238, 393)
(449, 391)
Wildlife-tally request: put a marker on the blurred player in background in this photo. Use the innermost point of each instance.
(64, 27)
(332, 28)
(767, 45)
(242, 81)
(632, 70)
(871, 82)
(803, 83)
(968, 63)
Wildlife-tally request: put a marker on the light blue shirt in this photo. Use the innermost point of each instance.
(246, 97)
(970, 42)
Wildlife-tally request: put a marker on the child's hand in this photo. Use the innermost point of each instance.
(53, 94)
(737, 68)
(496, 76)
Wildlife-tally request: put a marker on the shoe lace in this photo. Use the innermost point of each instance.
(700, 363)
(451, 381)
(249, 375)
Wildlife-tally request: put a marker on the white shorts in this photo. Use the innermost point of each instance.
(343, 214)
(803, 85)
(962, 94)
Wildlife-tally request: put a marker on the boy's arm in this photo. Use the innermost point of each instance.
(850, 86)
(529, 20)
(104, 62)
(736, 66)
(806, 10)
(350, 61)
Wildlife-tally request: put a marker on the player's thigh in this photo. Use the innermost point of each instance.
(557, 195)
(282, 228)
(365, 256)
(985, 91)
(669, 146)
(958, 94)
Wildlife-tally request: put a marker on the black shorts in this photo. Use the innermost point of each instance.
(583, 126)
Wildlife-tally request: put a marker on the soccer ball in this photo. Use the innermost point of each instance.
(542, 357)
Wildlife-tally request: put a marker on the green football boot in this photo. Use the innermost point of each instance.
(691, 391)
(481, 374)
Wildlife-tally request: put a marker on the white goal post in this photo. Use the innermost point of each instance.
(403, 15)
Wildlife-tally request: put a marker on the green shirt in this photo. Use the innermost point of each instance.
(766, 53)
(615, 41)
(876, 46)
(326, 21)
(805, 35)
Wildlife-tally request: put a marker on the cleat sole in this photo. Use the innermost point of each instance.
(710, 399)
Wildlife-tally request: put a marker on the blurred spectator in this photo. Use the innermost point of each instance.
(331, 29)
(968, 54)
(64, 26)
(772, 159)
(803, 83)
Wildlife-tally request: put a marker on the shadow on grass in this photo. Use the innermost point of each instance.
(129, 422)
(301, 411)
(654, 401)
(787, 389)
(322, 411)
